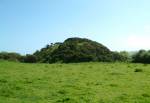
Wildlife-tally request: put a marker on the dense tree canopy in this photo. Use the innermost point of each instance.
(80, 50)
(30, 58)
(10, 56)
(77, 50)
(142, 56)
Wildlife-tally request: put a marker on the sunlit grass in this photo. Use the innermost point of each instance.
(74, 83)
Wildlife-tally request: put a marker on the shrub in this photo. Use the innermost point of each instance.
(78, 50)
(142, 56)
(10, 56)
(30, 59)
(138, 70)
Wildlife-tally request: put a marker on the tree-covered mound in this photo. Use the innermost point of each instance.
(76, 50)
(71, 50)
(80, 50)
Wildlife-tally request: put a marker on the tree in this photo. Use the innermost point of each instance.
(10, 56)
(142, 56)
(30, 59)
(80, 50)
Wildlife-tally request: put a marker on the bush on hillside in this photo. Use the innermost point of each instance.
(10, 56)
(142, 56)
(29, 59)
(44, 54)
(121, 56)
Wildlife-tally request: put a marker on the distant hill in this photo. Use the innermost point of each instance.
(74, 50)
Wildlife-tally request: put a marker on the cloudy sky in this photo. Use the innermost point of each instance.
(28, 25)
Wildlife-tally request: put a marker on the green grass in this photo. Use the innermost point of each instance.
(74, 83)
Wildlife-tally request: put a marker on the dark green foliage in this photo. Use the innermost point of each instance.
(78, 50)
(121, 56)
(82, 50)
(18, 58)
(30, 59)
(71, 50)
(44, 54)
(74, 50)
(142, 56)
(10, 56)
(138, 70)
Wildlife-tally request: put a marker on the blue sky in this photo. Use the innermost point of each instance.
(28, 25)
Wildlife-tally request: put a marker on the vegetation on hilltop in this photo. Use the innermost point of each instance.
(77, 50)
(44, 55)
(80, 50)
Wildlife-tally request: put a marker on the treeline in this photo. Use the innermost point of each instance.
(78, 50)
(142, 56)
(29, 58)
(75, 50)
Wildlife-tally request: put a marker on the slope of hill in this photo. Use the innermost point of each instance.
(44, 54)
(74, 50)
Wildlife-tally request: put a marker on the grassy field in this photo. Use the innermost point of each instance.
(74, 83)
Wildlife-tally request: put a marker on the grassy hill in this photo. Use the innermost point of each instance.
(74, 83)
